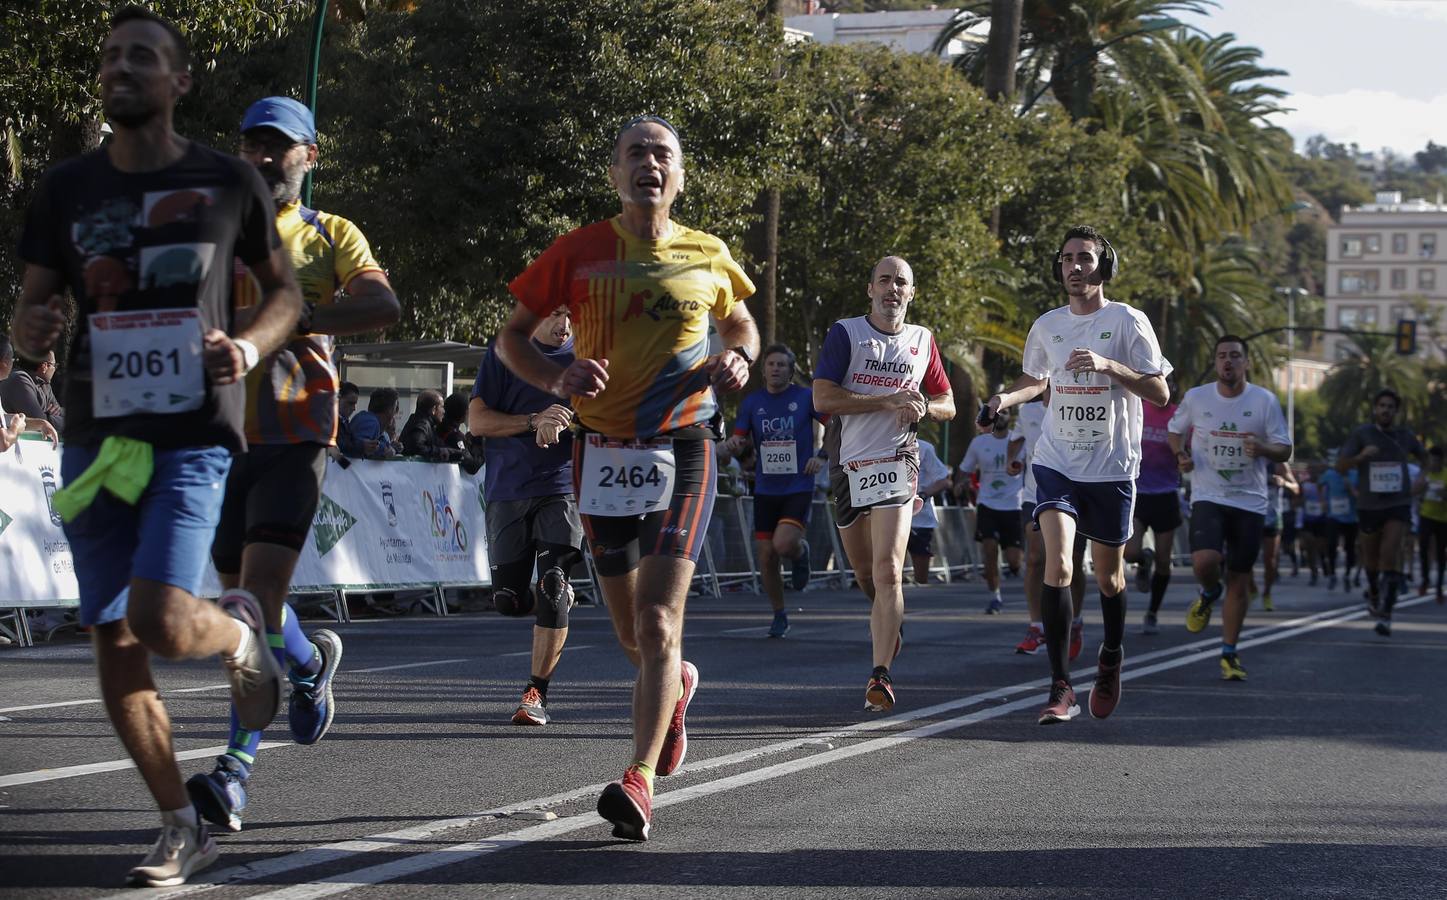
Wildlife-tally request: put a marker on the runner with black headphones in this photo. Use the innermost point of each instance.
(1100, 359)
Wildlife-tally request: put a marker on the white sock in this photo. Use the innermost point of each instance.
(1038, 625)
(241, 642)
(997, 593)
(184, 817)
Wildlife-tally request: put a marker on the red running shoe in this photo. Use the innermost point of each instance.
(1105, 696)
(879, 694)
(1062, 706)
(675, 742)
(628, 804)
(1077, 638)
(1034, 640)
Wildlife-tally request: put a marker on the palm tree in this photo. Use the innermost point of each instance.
(1374, 364)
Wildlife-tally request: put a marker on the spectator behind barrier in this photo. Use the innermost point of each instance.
(421, 436)
(348, 445)
(372, 426)
(12, 423)
(454, 436)
(26, 390)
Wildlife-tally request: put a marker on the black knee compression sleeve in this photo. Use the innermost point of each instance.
(511, 593)
(555, 594)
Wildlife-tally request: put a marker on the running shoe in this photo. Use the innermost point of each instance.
(1062, 706)
(628, 804)
(1151, 625)
(780, 626)
(253, 672)
(879, 694)
(220, 795)
(310, 710)
(1077, 638)
(675, 741)
(1384, 627)
(996, 607)
(1266, 603)
(1199, 615)
(1231, 669)
(799, 574)
(179, 853)
(1105, 696)
(1034, 640)
(1143, 570)
(532, 709)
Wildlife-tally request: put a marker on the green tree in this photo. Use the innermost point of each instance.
(1374, 364)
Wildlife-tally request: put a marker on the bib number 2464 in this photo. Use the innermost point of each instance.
(625, 478)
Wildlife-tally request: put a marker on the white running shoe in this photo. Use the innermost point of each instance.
(253, 672)
(180, 852)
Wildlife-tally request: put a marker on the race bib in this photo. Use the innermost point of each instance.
(780, 457)
(148, 361)
(1340, 506)
(1436, 491)
(625, 478)
(1384, 478)
(873, 481)
(1226, 451)
(1082, 414)
(1314, 509)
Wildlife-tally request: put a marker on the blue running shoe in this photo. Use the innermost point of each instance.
(311, 708)
(780, 627)
(220, 796)
(995, 608)
(799, 575)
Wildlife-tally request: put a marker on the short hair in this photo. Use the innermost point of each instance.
(1230, 339)
(1388, 392)
(5, 348)
(1085, 233)
(348, 388)
(181, 52)
(383, 400)
(779, 347)
(454, 408)
(641, 120)
(428, 400)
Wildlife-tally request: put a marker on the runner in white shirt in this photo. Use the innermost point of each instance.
(881, 377)
(934, 479)
(997, 506)
(1233, 425)
(1100, 360)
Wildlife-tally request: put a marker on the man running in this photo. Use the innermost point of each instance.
(143, 232)
(1157, 509)
(532, 517)
(1100, 359)
(778, 422)
(1314, 524)
(1281, 488)
(934, 480)
(641, 289)
(1431, 487)
(274, 487)
(1379, 452)
(1341, 525)
(881, 377)
(997, 506)
(1234, 426)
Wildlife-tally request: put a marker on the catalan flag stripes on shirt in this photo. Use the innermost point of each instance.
(291, 397)
(644, 306)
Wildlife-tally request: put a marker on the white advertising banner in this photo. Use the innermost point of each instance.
(378, 525)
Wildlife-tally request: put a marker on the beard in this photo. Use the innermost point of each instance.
(285, 186)
(130, 112)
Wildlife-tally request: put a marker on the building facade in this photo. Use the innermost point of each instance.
(911, 31)
(1387, 261)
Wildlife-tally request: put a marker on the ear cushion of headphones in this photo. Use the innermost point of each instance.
(1055, 270)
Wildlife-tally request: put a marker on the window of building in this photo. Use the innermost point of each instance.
(1427, 279)
(1401, 312)
(1428, 245)
(1351, 246)
(1399, 243)
(1372, 243)
(1358, 281)
(1348, 316)
(1399, 279)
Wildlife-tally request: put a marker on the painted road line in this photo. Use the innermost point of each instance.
(114, 765)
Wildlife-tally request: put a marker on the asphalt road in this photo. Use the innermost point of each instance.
(1324, 775)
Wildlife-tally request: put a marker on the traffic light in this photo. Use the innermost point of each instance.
(1407, 336)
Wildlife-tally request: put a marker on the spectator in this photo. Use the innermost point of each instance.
(347, 442)
(373, 425)
(11, 424)
(421, 435)
(454, 433)
(26, 390)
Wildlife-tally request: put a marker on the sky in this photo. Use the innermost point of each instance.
(1373, 72)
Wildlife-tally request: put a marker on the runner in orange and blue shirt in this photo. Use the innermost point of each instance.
(274, 487)
(641, 289)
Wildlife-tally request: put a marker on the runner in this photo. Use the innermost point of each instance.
(1280, 488)
(640, 289)
(1341, 524)
(1314, 524)
(997, 523)
(532, 517)
(1100, 359)
(1233, 426)
(934, 480)
(778, 422)
(274, 487)
(1379, 453)
(1158, 508)
(142, 232)
(1431, 486)
(881, 377)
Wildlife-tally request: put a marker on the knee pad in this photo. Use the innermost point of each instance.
(510, 603)
(511, 594)
(555, 598)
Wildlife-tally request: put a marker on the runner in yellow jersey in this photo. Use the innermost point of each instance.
(641, 289)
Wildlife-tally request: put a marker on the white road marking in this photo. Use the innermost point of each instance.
(268, 868)
(114, 765)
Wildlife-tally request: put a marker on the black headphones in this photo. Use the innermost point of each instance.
(1105, 270)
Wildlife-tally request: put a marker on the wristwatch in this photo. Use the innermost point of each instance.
(532, 421)
(745, 354)
(304, 321)
(249, 354)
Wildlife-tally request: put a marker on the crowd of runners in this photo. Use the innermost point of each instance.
(599, 405)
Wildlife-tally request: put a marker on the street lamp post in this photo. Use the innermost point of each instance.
(1291, 294)
(1147, 26)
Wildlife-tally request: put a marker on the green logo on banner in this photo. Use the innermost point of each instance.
(4, 521)
(331, 524)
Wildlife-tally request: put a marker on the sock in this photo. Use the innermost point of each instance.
(1038, 625)
(277, 643)
(644, 769)
(1394, 583)
(185, 817)
(1214, 593)
(1078, 621)
(1228, 649)
(302, 655)
(243, 745)
(997, 593)
(1055, 616)
(1113, 611)
(880, 672)
(1160, 580)
(540, 683)
(243, 641)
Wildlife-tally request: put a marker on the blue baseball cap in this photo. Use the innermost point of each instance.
(284, 114)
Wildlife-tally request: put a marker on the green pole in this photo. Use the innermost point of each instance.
(313, 68)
